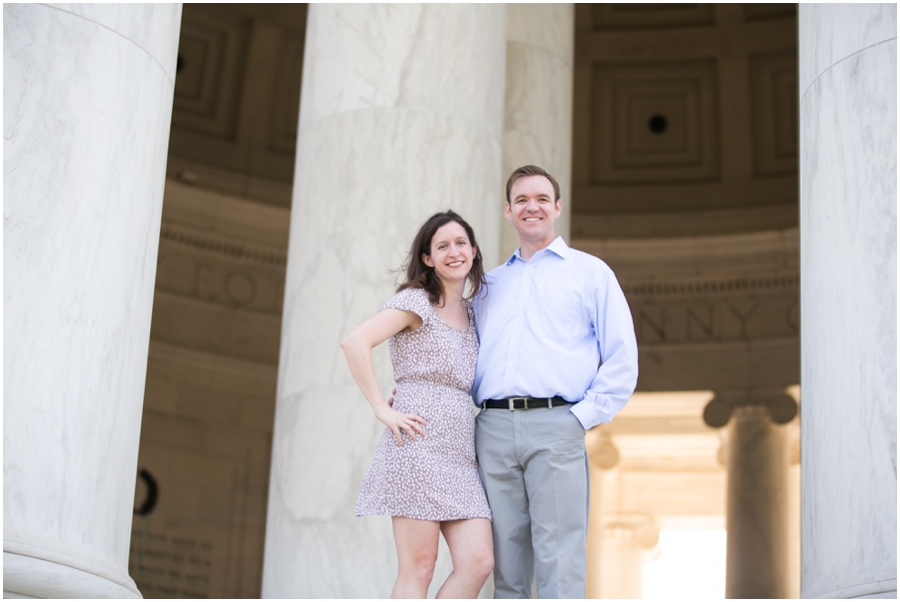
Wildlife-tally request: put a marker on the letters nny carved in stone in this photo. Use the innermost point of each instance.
(712, 320)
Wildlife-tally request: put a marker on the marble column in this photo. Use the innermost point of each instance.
(87, 105)
(603, 456)
(540, 42)
(627, 541)
(401, 116)
(757, 504)
(793, 502)
(848, 292)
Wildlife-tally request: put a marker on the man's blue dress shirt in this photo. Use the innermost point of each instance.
(557, 324)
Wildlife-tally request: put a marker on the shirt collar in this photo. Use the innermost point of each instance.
(558, 246)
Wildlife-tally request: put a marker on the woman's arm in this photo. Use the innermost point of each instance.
(358, 347)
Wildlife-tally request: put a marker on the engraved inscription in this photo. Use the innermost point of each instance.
(240, 288)
(742, 316)
(655, 324)
(169, 565)
(695, 322)
(708, 321)
(235, 283)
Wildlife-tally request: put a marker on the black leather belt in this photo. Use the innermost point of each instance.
(524, 403)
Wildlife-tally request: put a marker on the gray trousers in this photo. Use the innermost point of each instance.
(535, 472)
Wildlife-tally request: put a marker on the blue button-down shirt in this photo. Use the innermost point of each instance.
(557, 324)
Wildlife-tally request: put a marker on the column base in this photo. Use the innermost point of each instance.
(886, 588)
(30, 577)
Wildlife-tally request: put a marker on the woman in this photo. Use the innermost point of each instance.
(424, 473)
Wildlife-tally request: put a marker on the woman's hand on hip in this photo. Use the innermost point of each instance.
(397, 421)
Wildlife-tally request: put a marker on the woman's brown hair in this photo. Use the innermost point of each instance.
(419, 275)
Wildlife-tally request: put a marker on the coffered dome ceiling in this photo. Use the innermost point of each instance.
(237, 98)
(685, 116)
(685, 119)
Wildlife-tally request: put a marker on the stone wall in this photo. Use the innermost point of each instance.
(206, 434)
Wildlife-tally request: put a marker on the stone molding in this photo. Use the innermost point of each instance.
(239, 369)
(222, 246)
(710, 222)
(246, 187)
(712, 287)
(709, 257)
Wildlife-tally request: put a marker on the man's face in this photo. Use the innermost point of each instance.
(532, 210)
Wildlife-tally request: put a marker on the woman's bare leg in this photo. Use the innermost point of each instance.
(417, 548)
(472, 551)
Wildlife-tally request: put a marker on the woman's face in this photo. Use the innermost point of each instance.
(451, 253)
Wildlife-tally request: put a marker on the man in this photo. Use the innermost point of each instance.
(558, 356)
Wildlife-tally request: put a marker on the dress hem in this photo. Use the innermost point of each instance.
(433, 520)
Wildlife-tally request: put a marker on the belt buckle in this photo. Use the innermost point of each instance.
(512, 403)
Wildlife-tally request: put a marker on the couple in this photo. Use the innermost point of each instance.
(557, 356)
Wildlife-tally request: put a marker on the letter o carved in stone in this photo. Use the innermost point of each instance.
(240, 288)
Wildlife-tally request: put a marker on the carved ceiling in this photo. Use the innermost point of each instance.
(685, 116)
(654, 122)
(643, 16)
(237, 92)
(681, 110)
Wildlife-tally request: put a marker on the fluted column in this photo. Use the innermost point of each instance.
(848, 292)
(757, 560)
(87, 104)
(538, 118)
(401, 116)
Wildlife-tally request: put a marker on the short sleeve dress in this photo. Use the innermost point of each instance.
(435, 478)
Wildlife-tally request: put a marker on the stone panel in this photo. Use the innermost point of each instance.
(644, 16)
(237, 95)
(203, 536)
(206, 327)
(284, 115)
(210, 55)
(763, 11)
(773, 84)
(658, 187)
(655, 122)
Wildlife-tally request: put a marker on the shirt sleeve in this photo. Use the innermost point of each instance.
(413, 300)
(616, 377)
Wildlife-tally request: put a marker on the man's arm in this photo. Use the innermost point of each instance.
(616, 377)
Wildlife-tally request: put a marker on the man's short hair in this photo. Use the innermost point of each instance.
(530, 170)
